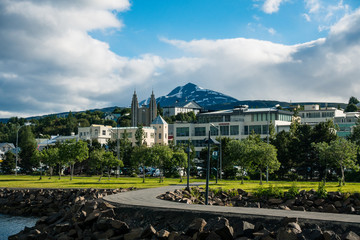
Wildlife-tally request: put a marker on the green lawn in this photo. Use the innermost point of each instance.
(22, 181)
(251, 186)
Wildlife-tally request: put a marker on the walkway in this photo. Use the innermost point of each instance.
(147, 198)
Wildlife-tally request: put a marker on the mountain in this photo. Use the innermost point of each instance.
(192, 92)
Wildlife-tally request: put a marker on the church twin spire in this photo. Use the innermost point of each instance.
(143, 115)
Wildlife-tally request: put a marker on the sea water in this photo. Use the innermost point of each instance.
(10, 225)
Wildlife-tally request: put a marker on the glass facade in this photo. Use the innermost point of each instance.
(224, 130)
(234, 130)
(182, 132)
(200, 131)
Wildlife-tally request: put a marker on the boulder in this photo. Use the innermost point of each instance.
(350, 236)
(197, 225)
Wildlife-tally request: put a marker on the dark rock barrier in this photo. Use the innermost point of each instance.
(335, 202)
(83, 214)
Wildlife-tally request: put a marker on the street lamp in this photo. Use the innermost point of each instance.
(268, 132)
(188, 150)
(17, 144)
(209, 141)
(219, 158)
(117, 149)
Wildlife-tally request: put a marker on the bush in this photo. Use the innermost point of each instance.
(293, 190)
(321, 191)
(271, 191)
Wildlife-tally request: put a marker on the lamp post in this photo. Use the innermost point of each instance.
(267, 140)
(188, 167)
(17, 145)
(219, 157)
(209, 141)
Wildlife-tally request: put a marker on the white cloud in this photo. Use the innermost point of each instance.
(271, 6)
(307, 17)
(51, 63)
(272, 31)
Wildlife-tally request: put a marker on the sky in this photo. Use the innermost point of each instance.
(73, 55)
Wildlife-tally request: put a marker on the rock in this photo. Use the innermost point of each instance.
(133, 234)
(120, 226)
(286, 220)
(290, 202)
(92, 216)
(148, 232)
(62, 227)
(319, 201)
(313, 234)
(351, 236)
(197, 225)
(105, 205)
(109, 213)
(330, 235)
(163, 234)
(173, 235)
(275, 201)
(298, 208)
(295, 226)
(214, 236)
(330, 208)
(221, 227)
(287, 233)
(243, 228)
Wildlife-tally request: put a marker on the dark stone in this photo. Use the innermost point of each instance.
(331, 235)
(148, 232)
(350, 236)
(197, 225)
(243, 228)
(221, 227)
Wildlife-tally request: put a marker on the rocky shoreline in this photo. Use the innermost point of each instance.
(334, 202)
(83, 214)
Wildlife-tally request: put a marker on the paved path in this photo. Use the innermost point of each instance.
(147, 198)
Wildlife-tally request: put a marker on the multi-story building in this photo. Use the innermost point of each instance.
(346, 123)
(313, 114)
(100, 133)
(157, 133)
(238, 123)
(183, 107)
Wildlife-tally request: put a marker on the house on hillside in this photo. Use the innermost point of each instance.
(112, 116)
(5, 147)
(183, 107)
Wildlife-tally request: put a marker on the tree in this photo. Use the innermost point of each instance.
(340, 153)
(139, 135)
(141, 157)
(103, 160)
(161, 156)
(263, 157)
(351, 108)
(73, 152)
(28, 147)
(353, 100)
(238, 155)
(8, 164)
(282, 142)
(179, 159)
(355, 134)
(51, 158)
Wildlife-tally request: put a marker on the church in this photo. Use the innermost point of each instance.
(143, 115)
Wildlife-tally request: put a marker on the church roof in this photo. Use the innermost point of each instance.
(159, 120)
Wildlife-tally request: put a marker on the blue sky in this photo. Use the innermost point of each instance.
(82, 54)
(147, 21)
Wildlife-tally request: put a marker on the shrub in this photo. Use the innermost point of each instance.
(293, 190)
(321, 191)
(271, 191)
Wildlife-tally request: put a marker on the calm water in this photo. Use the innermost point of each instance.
(10, 225)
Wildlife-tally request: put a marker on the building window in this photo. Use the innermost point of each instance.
(104, 132)
(234, 130)
(214, 131)
(182, 132)
(159, 135)
(246, 130)
(200, 131)
(264, 129)
(255, 129)
(224, 130)
(96, 132)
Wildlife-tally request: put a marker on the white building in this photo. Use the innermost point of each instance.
(346, 123)
(184, 107)
(238, 123)
(313, 114)
(157, 133)
(100, 133)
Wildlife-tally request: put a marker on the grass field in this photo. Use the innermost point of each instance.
(21, 181)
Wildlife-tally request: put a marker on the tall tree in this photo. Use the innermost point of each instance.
(139, 135)
(73, 152)
(28, 147)
(8, 164)
(238, 155)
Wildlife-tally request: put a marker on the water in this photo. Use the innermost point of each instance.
(10, 225)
